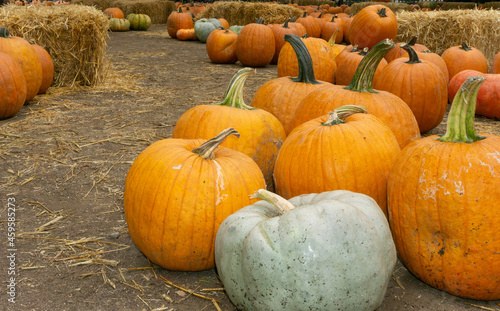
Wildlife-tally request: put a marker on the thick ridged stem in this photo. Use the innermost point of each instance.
(206, 150)
(338, 115)
(234, 93)
(411, 52)
(306, 70)
(280, 204)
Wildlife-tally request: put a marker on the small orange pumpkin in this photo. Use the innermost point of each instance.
(178, 20)
(464, 57)
(114, 13)
(47, 68)
(221, 46)
(186, 34)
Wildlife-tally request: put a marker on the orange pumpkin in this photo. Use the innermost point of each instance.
(496, 64)
(332, 26)
(371, 25)
(114, 13)
(178, 20)
(443, 195)
(221, 46)
(24, 54)
(421, 85)
(178, 192)
(389, 108)
(281, 96)
(13, 90)
(398, 51)
(464, 57)
(255, 45)
(436, 59)
(261, 133)
(322, 59)
(224, 23)
(347, 25)
(488, 96)
(301, 30)
(347, 63)
(47, 67)
(346, 152)
(279, 37)
(311, 25)
(186, 34)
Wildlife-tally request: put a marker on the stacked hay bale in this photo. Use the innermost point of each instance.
(439, 30)
(395, 7)
(457, 5)
(74, 35)
(242, 13)
(99, 4)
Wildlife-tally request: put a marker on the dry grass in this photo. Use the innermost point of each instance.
(74, 36)
(242, 13)
(439, 30)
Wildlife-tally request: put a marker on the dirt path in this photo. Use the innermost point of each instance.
(65, 157)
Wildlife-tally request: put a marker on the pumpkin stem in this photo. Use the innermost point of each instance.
(364, 51)
(180, 10)
(206, 150)
(4, 32)
(460, 127)
(413, 55)
(332, 39)
(413, 41)
(338, 115)
(234, 93)
(465, 47)
(279, 203)
(285, 25)
(382, 12)
(306, 70)
(355, 48)
(259, 20)
(363, 77)
(293, 19)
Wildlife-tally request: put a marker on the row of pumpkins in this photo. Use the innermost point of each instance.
(25, 70)
(118, 22)
(354, 183)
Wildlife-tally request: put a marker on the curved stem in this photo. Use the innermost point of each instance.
(332, 39)
(285, 25)
(206, 150)
(413, 41)
(4, 32)
(280, 204)
(465, 47)
(460, 127)
(363, 77)
(338, 115)
(259, 20)
(411, 52)
(306, 70)
(234, 93)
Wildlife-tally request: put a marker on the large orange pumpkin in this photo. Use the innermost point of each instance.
(329, 27)
(47, 67)
(178, 20)
(488, 96)
(371, 25)
(352, 153)
(281, 96)
(13, 90)
(221, 46)
(443, 195)
(261, 133)
(178, 192)
(255, 45)
(464, 57)
(24, 54)
(389, 108)
(420, 84)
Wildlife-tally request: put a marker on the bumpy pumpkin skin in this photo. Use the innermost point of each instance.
(47, 67)
(13, 91)
(325, 254)
(175, 200)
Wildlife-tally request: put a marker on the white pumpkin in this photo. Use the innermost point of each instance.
(333, 251)
(203, 27)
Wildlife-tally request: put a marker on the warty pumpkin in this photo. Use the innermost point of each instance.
(443, 196)
(178, 20)
(464, 57)
(420, 84)
(261, 133)
(281, 96)
(346, 150)
(371, 25)
(255, 45)
(322, 60)
(24, 54)
(389, 108)
(221, 46)
(13, 90)
(178, 192)
(315, 252)
(488, 96)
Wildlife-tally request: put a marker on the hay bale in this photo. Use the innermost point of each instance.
(99, 4)
(395, 7)
(428, 4)
(74, 35)
(457, 5)
(439, 30)
(492, 5)
(242, 13)
(157, 10)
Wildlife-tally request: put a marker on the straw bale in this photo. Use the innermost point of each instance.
(395, 7)
(157, 10)
(428, 4)
(99, 4)
(74, 36)
(457, 5)
(439, 30)
(492, 5)
(242, 13)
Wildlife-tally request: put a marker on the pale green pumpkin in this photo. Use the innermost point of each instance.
(203, 27)
(139, 21)
(236, 29)
(327, 251)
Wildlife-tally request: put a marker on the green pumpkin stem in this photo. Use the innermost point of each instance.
(234, 93)
(206, 150)
(280, 204)
(465, 47)
(460, 127)
(306, 70)
(411, 52)
(4, 32)
(413, 41)
(338, 115)
(363, 77)
(259, 20)
(285, 25)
